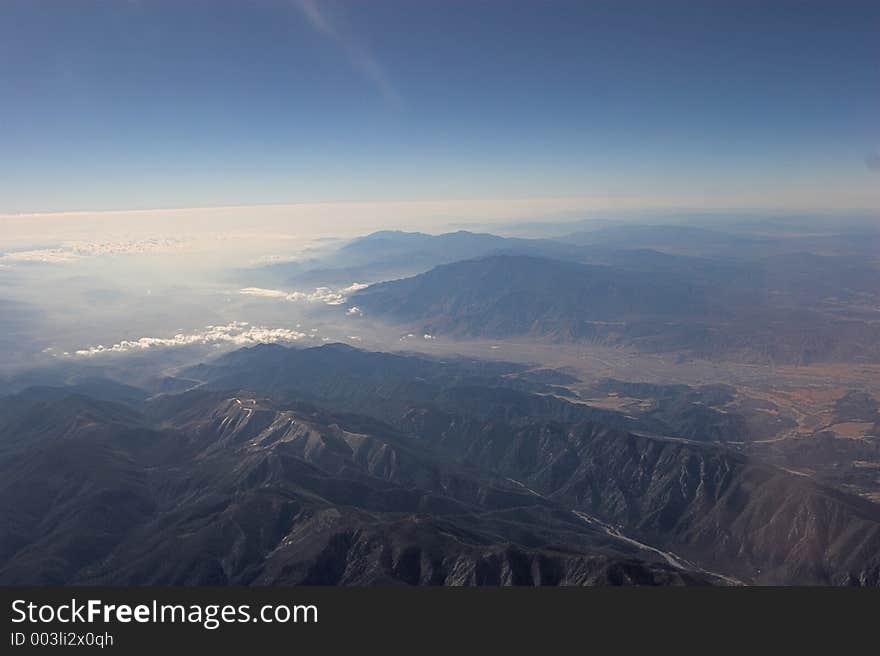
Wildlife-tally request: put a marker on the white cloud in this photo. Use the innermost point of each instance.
(275, 259)
(428, 337)
(237, 333)
(268, 293)
(319, 295)
(354, 311)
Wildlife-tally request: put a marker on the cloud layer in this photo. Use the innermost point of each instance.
(237, 333)
(324, 295)
(73, 251)
(43, 256)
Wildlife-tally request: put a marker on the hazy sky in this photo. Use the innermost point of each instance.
(150, 103)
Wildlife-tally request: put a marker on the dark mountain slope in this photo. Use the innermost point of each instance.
(384, 385)
(719, 509)
(714, 506)
(70, 490)
(223, 490)
(465, 481)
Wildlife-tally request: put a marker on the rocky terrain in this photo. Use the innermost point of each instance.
(334, 465)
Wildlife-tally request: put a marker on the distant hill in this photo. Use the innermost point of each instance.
(515, 295)
(681, 239)
(393, 254)
(386, 254)
(736, 241)
(767, 310)
(449, 246)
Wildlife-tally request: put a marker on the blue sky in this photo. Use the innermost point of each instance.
(151, 103)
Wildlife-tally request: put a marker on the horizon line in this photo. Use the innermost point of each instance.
(591, 203)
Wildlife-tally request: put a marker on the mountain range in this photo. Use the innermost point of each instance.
(333, 465)
(780, 311)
